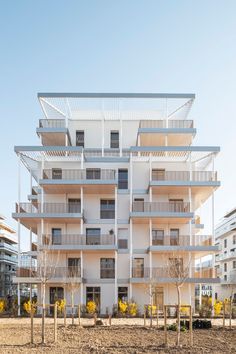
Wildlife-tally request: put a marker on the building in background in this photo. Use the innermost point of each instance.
(8, 259)
(114, 196)
(225, 259)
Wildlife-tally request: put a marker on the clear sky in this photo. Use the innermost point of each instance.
(118, 46)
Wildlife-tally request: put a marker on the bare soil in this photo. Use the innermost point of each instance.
(15, 338)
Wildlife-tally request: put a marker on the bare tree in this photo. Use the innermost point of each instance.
(150, 290)
(47, 262)
(232, 288)
(72, 279)
(178, 270)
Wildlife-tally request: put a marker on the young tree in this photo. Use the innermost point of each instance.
(178, 270)
(232, 288)
(46, 269)
(73, 284)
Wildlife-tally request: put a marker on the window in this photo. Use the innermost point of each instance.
(107, 268)
(74, 205)
(225, 277)
(93, 173)
(138, 268)
(74, 267)
(122, 293)
(56, 236)
(158, 174)
(80, 138)
(174, 237)
(56, 173)
(122, 179)
(114, 139)
(158, 237)
(93, 236)
(225, 243)
(225, 267)
(234, 239)
(107, 209)
(234, 264)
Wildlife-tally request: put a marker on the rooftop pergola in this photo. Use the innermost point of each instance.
(116, 106)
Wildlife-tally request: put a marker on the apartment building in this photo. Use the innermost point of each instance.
(225, 259)
(8, 258)
(116, 186)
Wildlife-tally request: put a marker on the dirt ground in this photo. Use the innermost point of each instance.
(119, 338)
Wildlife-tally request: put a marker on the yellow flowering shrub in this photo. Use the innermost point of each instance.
(61, 303)
(91, 307)
(30, 306)
(152, 309)
(2, 305)
(218, 305)
(123, 306)
(132, 309)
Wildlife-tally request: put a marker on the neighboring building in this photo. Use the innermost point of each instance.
(118, 188)
(8, 258)
(225, 259)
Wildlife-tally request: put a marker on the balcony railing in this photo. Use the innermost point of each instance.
(197, 176)
(231, 254)
(163, 272)
(49, 272)
(95, 174)
(50, 208)
(8, 246)
(78, 239)
(4, 257)
(52, 123)
(176, 207)
(176, 124)
(182, 240)
(106, 153)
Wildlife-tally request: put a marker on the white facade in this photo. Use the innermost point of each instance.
(225, 259)
(118, 188)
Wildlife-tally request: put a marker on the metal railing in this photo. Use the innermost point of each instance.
(50, 208)
(230, 254)
(52, 123)
(74, 174)
(4, 257)
(182, 240)
(78, 239)
(197, 176)
(176, 207)
(8, 246)
(179, 124)
(49, 272)
(163, 272)
(112, 152)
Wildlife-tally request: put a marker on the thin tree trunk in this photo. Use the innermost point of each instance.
(72, 306)
(178, 317)
(43, 311)
(230, 313)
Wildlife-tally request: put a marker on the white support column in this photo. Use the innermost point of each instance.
(116, 241)
(190, 221)
(130, 224)
(82, 275)
(30, 262)
(42, 205)
(131, 256)
(82, 208)
(150, 167)
(200, 286)
(130, 183)
(19, 232)
(150, 243)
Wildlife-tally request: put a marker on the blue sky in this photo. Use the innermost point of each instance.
(118, 46)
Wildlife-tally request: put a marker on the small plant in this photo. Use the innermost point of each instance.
(184, 310)
(132, 309)
(151, 310)
(218, 305)
(91, 307)
(30, 306)
(123, 306)
(61, 303)
(2, 305)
